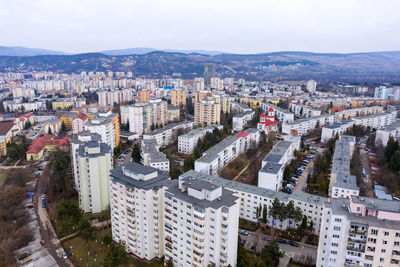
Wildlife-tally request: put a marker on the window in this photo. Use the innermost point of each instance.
(338, 220)
(386, 233)
(374, 232)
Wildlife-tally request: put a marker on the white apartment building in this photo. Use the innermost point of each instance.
(252, 197)
(187, 142)
(270, 175)
(240, 121)
(75, 142)
(201, 222)
(383, 134)
(114, 96)
(142, 116)
(104, 127)
(52, 126)
(342, 184)
(304, 126)
(169, 133)
(375, 121)
(190, 221)
(311, 86)
(282, 115)
(18, 105)
(361, 232)
(303, 111)
(331, 131)
(93, 163)
(152, 157)
(217, 157)
(136, 204)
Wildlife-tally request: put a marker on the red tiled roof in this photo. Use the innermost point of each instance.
(262, 115)
(242, 134)
(268, 122)
(46, 140)
(82, 116)
(336, 109)
(270, 109)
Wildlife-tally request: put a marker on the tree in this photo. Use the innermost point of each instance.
(170, 263)
(116, 256)
(85, 229)
(63, 127)
(136, 157)
(242, 256)
(264, 214)
(394, 163)
(188, 164)
(271, 253)
(304, 223)
(391, 147)
(275, 212)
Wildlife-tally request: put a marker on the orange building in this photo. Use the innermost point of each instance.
(144, 96)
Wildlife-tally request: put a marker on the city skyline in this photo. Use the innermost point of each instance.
(259, 27)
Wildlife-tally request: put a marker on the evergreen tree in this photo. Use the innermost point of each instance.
(136, 157)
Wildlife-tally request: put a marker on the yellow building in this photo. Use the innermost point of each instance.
(67, 118)
(3, 145)
(223, 101)
(255, 104)
(62, 104)
(178, 97)
(115, 118)
(201, 95)
(207, 112)
(144, 95)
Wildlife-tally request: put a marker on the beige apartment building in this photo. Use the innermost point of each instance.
(178, 97)
(207, 112)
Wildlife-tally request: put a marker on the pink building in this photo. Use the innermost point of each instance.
(79, 122)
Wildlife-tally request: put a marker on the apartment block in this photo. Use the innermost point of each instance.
(104, 127)
(169, 133)
(342, 184)
(206, 112)
(217, 157)
(142, 116)
(303, 111)
(115, 96)
(201, 222)
(93, 162)
(152, 157)
(178, 97)
(144, 96)
(361, 232)
(136, 204)
(383, 135)
(252, 197)
(270, 175)
(304, 126)
(187, 142)
(240, 121)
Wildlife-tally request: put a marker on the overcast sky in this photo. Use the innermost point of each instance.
(245, 26)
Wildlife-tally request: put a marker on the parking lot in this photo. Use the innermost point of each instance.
(255, 242)
(125, 157)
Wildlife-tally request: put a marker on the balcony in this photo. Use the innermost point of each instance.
(356, 240)
(355, 249)
(369, 257)
(358, 232)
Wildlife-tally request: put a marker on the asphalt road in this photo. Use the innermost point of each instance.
(290, 251)
(47, 233)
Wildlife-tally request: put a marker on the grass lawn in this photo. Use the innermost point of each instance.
(80, 250)
(247, 225)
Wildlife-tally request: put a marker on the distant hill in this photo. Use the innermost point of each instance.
(24, 51)
(145, 50)
(332, 67)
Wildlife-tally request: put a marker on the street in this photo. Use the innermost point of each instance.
(290, 251)
(49, 237)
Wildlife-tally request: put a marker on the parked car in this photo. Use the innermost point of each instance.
(243, 242)
(294, 178)
(281, 241)
(266, 238)
(253, 246)
(293, 244)
(64, 255)
(243, 232)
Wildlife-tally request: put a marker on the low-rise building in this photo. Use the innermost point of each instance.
(152, 157)
(268, 123)
(187, 142)
(169, 133)
(270, 175)
(241, 120)
(52, 126)
(383, 135)
(46, 143)
(342, 184)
